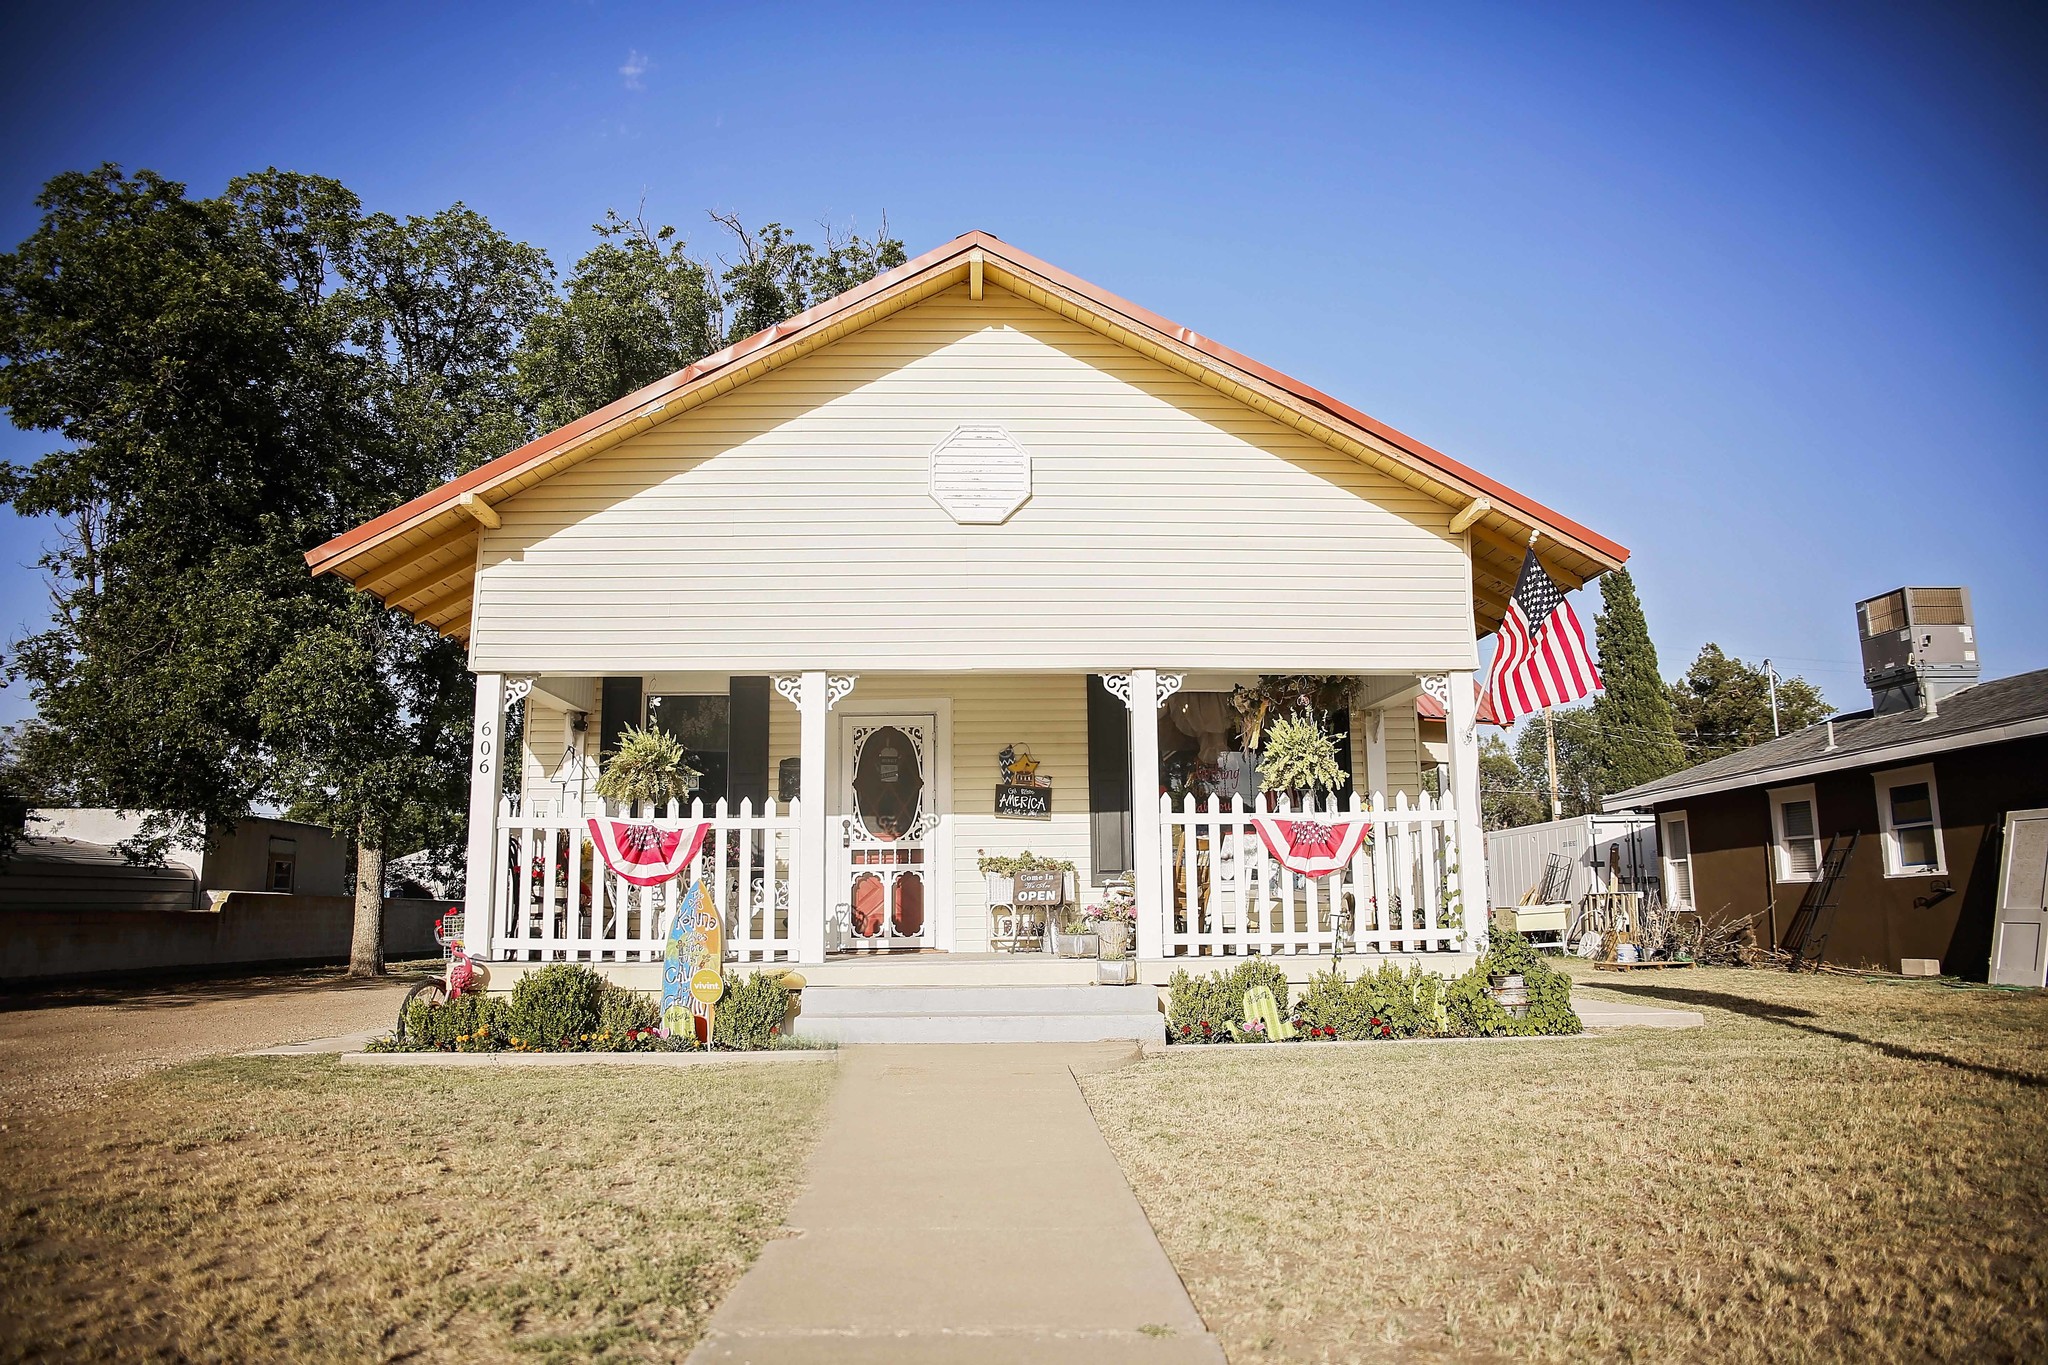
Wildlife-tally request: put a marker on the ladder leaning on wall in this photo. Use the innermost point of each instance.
(1806, 938)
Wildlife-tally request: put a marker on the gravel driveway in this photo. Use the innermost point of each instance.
(61, 1048)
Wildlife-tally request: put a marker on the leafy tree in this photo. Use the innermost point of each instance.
(1636, 737)
(1505, 796)
(778, 276)
(637, 307)
(1579, 748)
(188, 355)
(238, 378)
(366, 713)
(1723, 704)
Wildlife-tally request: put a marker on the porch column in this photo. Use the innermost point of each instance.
(813, 873)
(486, 778)
(1143, 700)
(1461, 710)
(1376, 756)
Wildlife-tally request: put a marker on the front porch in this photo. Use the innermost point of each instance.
(851, 815)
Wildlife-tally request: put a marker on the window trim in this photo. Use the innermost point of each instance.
(1781, 868)
(1665, 860)
(1884, 782)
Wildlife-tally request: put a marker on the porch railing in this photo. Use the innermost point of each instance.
(1226, 895)
(555, 900)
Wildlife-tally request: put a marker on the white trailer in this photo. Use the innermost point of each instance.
(1517, 859)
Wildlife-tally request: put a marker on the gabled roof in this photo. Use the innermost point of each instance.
(421, 557)
(2008, 708)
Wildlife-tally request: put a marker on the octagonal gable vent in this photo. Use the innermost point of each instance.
(980, 475)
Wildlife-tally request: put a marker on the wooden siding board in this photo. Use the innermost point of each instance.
(788, 525)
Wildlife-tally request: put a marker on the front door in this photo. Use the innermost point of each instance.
(887, 833)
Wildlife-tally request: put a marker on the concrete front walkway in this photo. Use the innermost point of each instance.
(962, 1206)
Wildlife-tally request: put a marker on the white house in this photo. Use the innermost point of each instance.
(974, 505)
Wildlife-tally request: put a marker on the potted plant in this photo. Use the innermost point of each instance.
(1299, 757)
(1509, 957)
(648, 768)
(1076, 937)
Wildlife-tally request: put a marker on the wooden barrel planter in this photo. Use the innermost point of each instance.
(1511, 993)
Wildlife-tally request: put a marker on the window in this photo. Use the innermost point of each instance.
(1909, 813)
(1677, 852)
(1795, 835)
(284, 865)
(701, 725)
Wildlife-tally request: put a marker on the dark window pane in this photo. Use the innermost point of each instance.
(1910, 804)
(1916, 846)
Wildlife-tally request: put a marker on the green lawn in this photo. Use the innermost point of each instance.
(273, 1208)
(1833, 1169)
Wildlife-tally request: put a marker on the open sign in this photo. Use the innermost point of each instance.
(1038, 888)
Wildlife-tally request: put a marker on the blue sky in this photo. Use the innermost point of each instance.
(1758, 292)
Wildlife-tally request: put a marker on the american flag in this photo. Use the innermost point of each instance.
(1542, 660)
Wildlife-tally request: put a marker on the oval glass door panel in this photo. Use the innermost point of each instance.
(888, 784)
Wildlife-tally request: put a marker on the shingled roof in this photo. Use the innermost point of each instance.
(2009, 708)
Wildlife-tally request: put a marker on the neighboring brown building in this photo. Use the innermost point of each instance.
(1926, 789)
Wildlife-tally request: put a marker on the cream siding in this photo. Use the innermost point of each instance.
(788, 525)
(1404, 752)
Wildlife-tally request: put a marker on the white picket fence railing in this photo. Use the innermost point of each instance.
(1227, 896)
(555, 901)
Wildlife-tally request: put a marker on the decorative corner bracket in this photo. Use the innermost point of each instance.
(1118, 685)
(517, 685)
(837, 688)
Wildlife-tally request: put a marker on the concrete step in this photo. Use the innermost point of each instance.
(979, 1014)
(981, 1028)
(841, 1001)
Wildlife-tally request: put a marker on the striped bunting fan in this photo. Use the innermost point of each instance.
(1542, 660)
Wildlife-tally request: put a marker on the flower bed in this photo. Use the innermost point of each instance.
(1387, 1004)
(568, 1007)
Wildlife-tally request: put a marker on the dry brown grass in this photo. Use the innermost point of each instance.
(1833, 1169)
(288, 1209)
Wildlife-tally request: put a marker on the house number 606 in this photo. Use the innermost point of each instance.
(483, 749)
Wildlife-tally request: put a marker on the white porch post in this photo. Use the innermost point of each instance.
(486, 779)
(1376, 756)
(813, 875)
(1461, 709)
(1145, 855)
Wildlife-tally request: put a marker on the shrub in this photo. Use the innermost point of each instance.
(1475, 1013)
(469, 1023)
(751, 1012)
(555, 1006)
(1389, 1003)
(622, 1014)
(1208, 1009)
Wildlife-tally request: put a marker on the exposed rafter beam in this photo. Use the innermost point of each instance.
(1474, 510)
(384, 575)
(484, 514)
(459, 590)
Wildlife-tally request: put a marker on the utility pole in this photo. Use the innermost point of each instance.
(1550, 755)
(1771, 679)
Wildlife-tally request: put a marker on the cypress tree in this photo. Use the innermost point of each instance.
(1637, 735)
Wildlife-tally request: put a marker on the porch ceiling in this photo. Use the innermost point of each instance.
(421, 558)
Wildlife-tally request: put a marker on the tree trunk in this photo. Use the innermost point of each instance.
(366, 952)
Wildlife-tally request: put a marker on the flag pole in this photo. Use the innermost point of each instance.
(1550, 757)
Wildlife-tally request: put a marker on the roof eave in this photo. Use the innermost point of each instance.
(1653, 794)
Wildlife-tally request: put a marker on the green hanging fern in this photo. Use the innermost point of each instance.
(1299, 756)
(649, 766)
